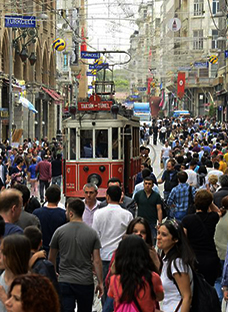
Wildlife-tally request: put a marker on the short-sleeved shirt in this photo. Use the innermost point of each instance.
(147, 206)
(32, 170)
(144, 299)
(172, 295)
(50, 220)
(76, 242)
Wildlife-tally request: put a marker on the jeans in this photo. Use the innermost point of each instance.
(108, 305)
(105, 267)
(57, 180)
(70, 293)
(164, 159)
(218, 283)
(43, 184)
(179, 215)
(154, 233)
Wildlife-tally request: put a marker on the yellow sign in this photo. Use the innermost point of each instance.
(213, 59)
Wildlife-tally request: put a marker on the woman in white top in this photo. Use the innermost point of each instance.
(178, 261)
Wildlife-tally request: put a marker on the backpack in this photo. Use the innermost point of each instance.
(205, 297)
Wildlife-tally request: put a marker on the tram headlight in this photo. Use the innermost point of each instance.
(86, 168)
(95, 179)
(102, 168)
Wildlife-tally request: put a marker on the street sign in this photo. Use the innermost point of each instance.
(19, 21)
(87, 106)
(185, 68)
(90, 87)
(141, 89)
(98, 67)
(89, 74)
(201, 64)
(90, 55)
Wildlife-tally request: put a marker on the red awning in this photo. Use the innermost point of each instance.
(54, 95)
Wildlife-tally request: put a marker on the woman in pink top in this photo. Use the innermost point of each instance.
(135, 277)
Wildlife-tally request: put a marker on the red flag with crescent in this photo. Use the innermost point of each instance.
(180, 84)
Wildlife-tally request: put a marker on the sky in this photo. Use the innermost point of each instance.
(111, 23)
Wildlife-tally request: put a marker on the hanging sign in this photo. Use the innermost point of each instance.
(174, 24)
(180, 84)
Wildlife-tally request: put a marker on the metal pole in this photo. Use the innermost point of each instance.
(10, 85)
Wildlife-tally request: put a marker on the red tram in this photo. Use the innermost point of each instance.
(100, 142)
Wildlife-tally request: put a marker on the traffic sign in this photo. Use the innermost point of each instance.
(89, 74)
(141, 89)
(19, 21)
(90, 55)
(98, 67)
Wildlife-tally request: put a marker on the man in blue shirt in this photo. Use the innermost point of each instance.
(178, 199)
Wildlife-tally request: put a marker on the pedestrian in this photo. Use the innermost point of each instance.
(200, 230)
(77, 244)
(32, 177)
(165, 153)
(178, 263)
(10, 209)
(14, 259)
(222, 191)
(111, 223)
(169, 176)
(32, 293)
(43, 170)
(135, 279)
(91, 202)
(149, 205)
(56, 166)
(178, 199)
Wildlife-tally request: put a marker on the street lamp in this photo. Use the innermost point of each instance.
(24, 54)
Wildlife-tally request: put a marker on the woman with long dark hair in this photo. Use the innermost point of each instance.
(178, 262)
(135, 277)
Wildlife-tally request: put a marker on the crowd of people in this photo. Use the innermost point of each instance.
(134, 252)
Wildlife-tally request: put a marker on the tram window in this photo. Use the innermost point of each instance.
(72, 144)
(115, 143)
(101, 143)
(86, 143)
(121, 143)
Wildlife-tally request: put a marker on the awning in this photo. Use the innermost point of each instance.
(27, 104)
(54, 95)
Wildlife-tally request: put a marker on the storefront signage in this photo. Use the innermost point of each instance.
(19, 21)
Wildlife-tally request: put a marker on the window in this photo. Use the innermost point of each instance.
(115, 143)
(72, 144)
(101, 139)
(157, 22)
(86, 143)
(198, 7)
(198, 39)
(215, 6)
(214, 42)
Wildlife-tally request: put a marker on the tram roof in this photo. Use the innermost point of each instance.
(102, 117)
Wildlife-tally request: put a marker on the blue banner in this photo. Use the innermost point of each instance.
(201, 64)
(141, 89)
(226, 53)
(20, 21)
(90, 55)
(98, 67)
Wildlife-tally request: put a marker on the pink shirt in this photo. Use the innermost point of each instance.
(44, 169)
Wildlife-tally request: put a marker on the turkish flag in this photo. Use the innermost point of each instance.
(149, 80)
(180, 84)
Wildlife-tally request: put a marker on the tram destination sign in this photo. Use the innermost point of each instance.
(96, 106)
(90, 55)
(19, 21)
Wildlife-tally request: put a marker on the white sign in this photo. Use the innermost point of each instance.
(174, 24)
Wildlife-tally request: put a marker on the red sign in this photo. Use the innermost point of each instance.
(95, 106)
(180, 84)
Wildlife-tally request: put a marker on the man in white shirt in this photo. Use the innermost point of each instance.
(215, 171)
(140, 186)
(192, 175)
(91, 202)
(165, 153)
(111, 223)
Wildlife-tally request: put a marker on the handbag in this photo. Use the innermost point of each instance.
(191, 204)
(161, 164)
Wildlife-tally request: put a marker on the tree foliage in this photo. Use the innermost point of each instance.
(120, 78)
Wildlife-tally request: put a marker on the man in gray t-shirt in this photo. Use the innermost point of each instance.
(77, 245)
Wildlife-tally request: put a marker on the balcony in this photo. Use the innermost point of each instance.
(194, 82)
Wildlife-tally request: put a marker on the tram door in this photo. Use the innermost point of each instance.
(127, 157)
